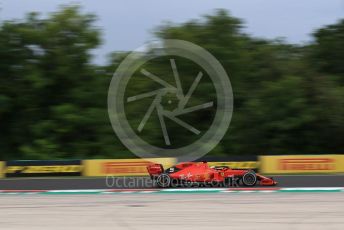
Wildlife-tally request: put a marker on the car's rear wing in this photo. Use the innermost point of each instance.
(155, 170)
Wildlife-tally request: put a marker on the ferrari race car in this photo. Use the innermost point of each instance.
(200, 173)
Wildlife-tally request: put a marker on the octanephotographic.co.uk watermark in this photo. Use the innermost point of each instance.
(145, 182)
(137, 62)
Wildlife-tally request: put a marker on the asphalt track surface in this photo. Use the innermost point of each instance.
(283, 211)
(145, 182)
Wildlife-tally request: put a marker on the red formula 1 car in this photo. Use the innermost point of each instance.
(200, 173)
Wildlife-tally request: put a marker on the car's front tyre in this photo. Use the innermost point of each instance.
(249, 179)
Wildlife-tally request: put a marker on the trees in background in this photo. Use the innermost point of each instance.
(288, 99)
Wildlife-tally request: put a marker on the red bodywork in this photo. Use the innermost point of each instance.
(201, 172)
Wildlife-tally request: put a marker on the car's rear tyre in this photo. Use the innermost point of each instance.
(249, 179)
(163, 180)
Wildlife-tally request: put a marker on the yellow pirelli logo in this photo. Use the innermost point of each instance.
(123, 167)
(284, 164)
(44, 169)
(2, 168)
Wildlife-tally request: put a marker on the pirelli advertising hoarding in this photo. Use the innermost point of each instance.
(43, 168)
(2, 165)
(302, 164)
(123, 167)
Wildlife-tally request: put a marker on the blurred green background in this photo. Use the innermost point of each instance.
(288, 99)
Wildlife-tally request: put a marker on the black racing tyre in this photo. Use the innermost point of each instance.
(163, 180)
(249, 179)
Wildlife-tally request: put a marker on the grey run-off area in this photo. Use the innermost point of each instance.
(174, 211)
(145, 182)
